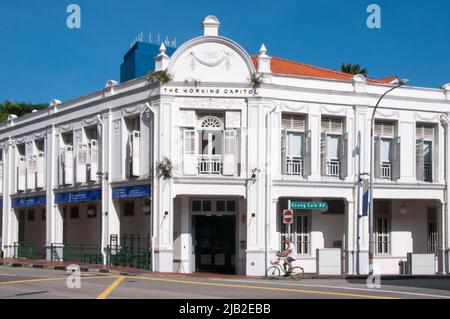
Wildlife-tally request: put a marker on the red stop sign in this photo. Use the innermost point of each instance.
(288, 216)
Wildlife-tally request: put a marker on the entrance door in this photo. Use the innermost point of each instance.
(215, 244)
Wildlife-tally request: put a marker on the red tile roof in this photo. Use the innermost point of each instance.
(282, 66)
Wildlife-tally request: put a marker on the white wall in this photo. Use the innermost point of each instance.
(84, 230)
(34, 230)
(138, 224)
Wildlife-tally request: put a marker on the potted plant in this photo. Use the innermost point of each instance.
(256, 81)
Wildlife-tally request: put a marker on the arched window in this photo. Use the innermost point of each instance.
(211, 122)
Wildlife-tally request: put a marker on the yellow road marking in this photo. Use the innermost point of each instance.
(342, 294)
(110, 289)
(49, 279)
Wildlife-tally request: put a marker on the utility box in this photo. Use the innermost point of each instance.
(329, 261)
(421, 264)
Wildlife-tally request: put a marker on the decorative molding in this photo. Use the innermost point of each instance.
(186, 118)
(232, 119)
(39, 135)
(422, 117)
(90, 121)
(333, 110)
(210, 103)
(20, 140)
(116, 125)
(293, 106)
(212, 59)
(126, 111)
(65, 128)
(387, 113)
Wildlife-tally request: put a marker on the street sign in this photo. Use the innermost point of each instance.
(288, 216)
(309, 205)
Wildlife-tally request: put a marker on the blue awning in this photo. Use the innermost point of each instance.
(81, 196)
(131, 192)
(29, 201)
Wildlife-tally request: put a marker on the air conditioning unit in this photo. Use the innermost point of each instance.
(93, 160)
(31, 173)
(134, 140)
(40, 165)
(21, 174)
(81, 163)
(67, 164)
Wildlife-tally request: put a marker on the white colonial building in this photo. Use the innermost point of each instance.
(244, 135)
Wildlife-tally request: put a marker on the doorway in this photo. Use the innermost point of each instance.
(215, 244)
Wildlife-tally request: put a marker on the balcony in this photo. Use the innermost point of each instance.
(333, 168)
(386, 169)
(294, 166)
(210, 164)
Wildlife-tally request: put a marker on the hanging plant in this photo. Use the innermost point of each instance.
(162, 77)
(165, 167)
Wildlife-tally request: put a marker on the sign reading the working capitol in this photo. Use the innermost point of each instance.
(210, 91)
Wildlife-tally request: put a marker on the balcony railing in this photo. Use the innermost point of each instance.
(294, 166)
(210, 164)
(386, 170)
(333, 168)
(427, 172)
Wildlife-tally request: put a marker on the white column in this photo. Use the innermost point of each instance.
(361, 230)
(186, 237)
(441, 249)
(9, 220)
(314, 126)
(163, 199)
(54, 220)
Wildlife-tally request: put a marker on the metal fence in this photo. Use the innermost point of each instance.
(25, 250)
(80, 253)
(130, 251)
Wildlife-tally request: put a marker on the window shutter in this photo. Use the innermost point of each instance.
(68, 165)
(31, 173)
(93, 160)
(293, 122)
(40, 164)
(343, 145)
(135, 153)
(21, 173)
(81, 161)
(425, 132)
(332, 125)
(385, 129)
(190, 154)
(283, 151)
(61, 167)
(396, 159)
(419, 159)
(377, 156)
(323, 153)
(306, 154)
(229, 158)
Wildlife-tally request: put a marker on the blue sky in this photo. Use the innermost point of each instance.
(41, 59)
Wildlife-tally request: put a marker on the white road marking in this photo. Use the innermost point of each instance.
(338, 287)
(8, 275)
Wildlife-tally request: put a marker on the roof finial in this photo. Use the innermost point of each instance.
(211, 26)
(162, 48)
(262, 50)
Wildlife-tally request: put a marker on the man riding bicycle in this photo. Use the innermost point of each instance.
(289, 254)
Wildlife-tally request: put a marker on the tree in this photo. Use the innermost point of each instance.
(18, 108)
(353, 69)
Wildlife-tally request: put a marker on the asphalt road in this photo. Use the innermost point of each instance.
(29, 283)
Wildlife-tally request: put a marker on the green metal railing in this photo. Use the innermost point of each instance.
(134, 256)
(25, 250)
(81, 253)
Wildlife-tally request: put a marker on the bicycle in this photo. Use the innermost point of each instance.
(277, 271)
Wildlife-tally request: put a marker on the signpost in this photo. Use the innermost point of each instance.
(288, 216)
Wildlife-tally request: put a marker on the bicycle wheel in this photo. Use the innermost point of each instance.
(273, 272)
(297, 273)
